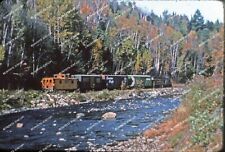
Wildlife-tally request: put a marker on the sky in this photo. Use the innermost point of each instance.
(210, 10)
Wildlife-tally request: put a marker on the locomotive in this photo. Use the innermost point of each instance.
(85, 83)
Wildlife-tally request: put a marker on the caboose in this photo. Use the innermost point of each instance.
(60, 82)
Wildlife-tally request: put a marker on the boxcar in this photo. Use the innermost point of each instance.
(90, 82)
(140, 81)
(158, 83)
(116, 81)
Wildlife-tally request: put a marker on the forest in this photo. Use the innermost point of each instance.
(40, 38)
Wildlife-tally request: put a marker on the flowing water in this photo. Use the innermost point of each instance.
(81, 125)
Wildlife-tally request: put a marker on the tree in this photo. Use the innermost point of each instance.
(197, 21)
(138, 64)
(97, 54)
(2, 53)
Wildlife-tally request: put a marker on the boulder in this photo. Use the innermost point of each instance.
(80, 115)
(19, 125)
(109, 115)
(50, 98)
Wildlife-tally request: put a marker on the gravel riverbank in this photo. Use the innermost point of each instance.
(16, 101)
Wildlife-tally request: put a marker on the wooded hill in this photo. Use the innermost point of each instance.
(39, 38)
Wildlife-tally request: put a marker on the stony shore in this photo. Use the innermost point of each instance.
(137, 144)
(20, 100)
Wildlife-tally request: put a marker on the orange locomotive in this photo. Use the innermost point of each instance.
(60, 82)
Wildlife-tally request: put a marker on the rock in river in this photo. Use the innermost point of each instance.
(19, 125)
(79, 115)
(109, 115)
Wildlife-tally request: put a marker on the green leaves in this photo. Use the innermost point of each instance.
(197, 22)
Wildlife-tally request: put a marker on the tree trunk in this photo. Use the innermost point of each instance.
(10, 45)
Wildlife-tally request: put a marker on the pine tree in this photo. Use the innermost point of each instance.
(197, 21)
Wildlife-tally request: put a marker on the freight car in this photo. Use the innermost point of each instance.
(115, 81)
(60, 82)
(140, 81)
(90, 82)
(98, 82)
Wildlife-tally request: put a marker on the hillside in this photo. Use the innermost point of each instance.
(39, 38)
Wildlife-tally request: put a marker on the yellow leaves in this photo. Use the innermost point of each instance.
(99, 44)
(65, 34)
(112, 32)
(2, 53)
(97, 53)
(147, 57)
(138, 63)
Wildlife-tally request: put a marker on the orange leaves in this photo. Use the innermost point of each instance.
(85, 8)
(153, 31)
(144, 27)
(191, 40)
(127, 23)
(217, 56)
(169, 31)
(193, 35)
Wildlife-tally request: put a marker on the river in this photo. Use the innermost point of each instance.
(81, 125)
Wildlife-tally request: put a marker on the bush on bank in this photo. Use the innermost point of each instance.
(203, 106)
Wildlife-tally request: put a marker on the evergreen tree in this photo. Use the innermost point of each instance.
(197, 21)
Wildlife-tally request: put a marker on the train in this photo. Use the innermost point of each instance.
(83, 82)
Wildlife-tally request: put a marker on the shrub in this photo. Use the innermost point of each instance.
(204, 101)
